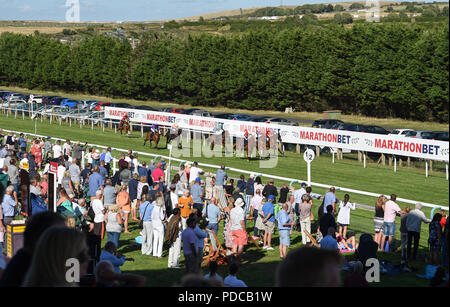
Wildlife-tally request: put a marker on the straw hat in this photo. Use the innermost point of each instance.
(239, 202)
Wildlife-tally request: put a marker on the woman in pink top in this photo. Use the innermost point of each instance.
(255, 206)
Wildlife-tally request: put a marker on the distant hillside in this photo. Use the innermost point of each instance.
(249, 11)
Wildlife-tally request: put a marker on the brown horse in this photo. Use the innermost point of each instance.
(153, 137)
(249, 147)
(213, 139)
(124, 126)
(275, 141)
(169, 136)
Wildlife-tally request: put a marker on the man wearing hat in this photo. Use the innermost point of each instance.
(238, 230)
(197, 196)
(268, 221)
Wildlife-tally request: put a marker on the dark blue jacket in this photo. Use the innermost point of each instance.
(132, 187)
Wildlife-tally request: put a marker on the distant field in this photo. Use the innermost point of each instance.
(384, 122)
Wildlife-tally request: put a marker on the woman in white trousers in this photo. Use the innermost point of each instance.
(158, 218)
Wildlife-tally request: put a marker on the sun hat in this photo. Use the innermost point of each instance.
(239, 202)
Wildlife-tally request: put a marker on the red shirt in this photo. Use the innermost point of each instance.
(158, 172)
(443, 221)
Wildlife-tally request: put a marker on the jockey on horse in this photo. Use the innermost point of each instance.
(154, 129)
(125, 122)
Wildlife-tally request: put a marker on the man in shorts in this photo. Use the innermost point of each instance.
(238, 230)
(285, 226)
(268, 221)
(391, 210)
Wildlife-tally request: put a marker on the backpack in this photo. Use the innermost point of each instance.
(37, 204)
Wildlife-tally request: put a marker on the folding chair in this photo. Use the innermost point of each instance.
(254, 241)
(215, 250)
(314, 242)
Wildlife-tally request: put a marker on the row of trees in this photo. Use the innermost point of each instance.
(375, 70)
(299, 10)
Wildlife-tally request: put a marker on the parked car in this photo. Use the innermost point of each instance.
(280, 121)
(223, 115)
(189, 111)
(121, 105)
(146, 108)
(87, 103)
(36, 99)
(420, 134)
(99, 106)
(71, 103)
(441, 135)
(349, 127)
(202, 113)
(47, 99)
(57, 101)
(375, 130)
(400, 132)
(326, 123)
(241, 117)
(16, 96)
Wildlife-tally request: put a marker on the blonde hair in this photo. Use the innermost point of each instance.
(114, 208)
(380, 201)
(53, 249)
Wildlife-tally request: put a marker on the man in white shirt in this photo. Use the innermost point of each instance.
(60, 172)
(194, 173)
(24, 162)
(231, 280)
(67, 148)
(238, 230)
(413, 225)
(99, 220)
(57, 150)
(108, 159)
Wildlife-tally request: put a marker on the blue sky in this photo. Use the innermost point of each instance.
(128, 10)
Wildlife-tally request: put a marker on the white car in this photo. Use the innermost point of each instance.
(400, 132)
(36, 99)
(15, 97)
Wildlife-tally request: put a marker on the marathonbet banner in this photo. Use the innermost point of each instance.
(387, 144)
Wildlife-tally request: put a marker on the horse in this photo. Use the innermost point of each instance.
(153, 137)
(169, 136)
(275, 142)
(213, 137)
(124, 125)
(248, 146)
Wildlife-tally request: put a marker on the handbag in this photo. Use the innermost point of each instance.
(205, 221)
(141, 223)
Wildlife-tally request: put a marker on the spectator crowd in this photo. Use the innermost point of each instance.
(184, 215)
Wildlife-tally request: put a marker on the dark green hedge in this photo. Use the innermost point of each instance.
(371, 69)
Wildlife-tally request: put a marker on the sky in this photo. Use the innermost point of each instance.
(129, 10)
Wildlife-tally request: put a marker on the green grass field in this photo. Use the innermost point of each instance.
(260, 266)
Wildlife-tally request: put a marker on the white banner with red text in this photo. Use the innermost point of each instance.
(359, 141)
